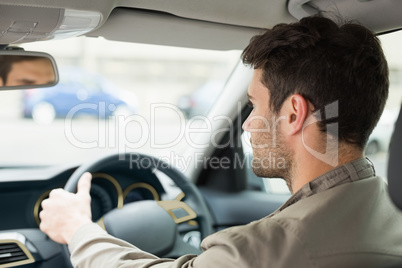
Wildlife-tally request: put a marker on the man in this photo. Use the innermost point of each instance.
(25, 71)
(317, 92)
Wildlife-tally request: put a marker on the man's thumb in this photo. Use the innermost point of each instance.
(84, 184)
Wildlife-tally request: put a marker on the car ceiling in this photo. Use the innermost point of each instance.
(217, 24)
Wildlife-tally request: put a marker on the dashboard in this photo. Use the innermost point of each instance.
(23, 189)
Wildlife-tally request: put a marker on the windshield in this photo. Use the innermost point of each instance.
(113, 97)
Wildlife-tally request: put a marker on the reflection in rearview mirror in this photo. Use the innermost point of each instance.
(23, 69)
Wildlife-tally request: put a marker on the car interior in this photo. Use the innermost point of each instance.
(162, 180)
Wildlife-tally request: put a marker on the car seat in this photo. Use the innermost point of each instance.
(395, 164)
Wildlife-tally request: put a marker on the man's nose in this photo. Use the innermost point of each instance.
(245, 125)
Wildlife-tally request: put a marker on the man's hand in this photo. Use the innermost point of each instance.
(64, 213)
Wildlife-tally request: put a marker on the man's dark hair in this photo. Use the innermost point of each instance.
(5, 67)
(325, 62)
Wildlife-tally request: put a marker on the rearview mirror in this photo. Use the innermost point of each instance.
(21, 69)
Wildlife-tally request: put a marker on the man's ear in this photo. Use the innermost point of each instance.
(297, 110)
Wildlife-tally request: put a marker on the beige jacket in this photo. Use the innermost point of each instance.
(342, 219)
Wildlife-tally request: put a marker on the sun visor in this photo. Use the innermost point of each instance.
(378, 15)
(29, 24)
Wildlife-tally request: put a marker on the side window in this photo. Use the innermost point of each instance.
(378, 144)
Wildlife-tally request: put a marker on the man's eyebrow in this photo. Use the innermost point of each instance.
(249, 96)
(26, 81)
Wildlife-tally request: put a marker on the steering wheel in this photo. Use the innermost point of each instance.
(151, 225)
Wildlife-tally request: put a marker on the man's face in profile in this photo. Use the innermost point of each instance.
(31, 72)
(272, 158)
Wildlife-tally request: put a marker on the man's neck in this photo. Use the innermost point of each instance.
(308, 167)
